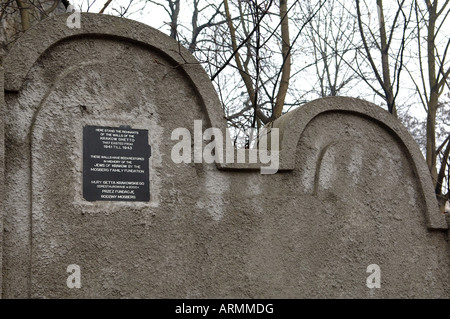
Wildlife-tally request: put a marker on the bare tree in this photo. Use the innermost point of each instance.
(172, 8)
(388, 72)
(332, 42)
(443, 153)
(250, 80)
(286, 66)
(262, 53)
(434, 71)
(17, 16)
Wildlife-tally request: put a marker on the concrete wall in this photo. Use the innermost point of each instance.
(352, 189)
(2, 172)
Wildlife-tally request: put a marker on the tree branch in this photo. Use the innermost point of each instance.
(105, 6)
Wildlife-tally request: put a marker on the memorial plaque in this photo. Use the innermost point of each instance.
(115, 164)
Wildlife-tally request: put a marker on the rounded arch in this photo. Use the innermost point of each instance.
(292, 125)
(31, 45)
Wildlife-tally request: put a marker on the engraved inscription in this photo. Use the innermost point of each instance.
(115, 164)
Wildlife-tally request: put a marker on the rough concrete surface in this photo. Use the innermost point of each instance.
(2, 170)
(353, 189)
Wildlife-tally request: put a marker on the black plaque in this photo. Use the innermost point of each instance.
(115, 164)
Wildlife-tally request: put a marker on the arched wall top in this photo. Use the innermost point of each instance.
(36, 41)
(292, 125)
(33, 43)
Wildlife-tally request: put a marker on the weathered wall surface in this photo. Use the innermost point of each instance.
(352, 190)
(2, 171)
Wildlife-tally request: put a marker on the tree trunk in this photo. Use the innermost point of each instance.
(387, 86)
(434, 92)
(286, 68)
(444, 164)
(244, 75)
(175, 9)
(24, 14)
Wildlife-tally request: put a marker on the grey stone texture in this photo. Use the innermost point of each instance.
(2, 170)
(352, 190)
